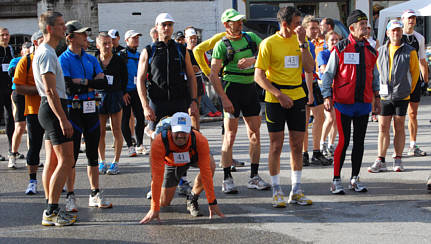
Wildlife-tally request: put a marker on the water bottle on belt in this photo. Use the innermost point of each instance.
(75, 102)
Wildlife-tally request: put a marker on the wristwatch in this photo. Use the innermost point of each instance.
(304, 45)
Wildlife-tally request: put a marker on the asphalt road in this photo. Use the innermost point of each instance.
(396, 209)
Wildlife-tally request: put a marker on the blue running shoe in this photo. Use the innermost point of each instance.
(102, 168)
(113, 169)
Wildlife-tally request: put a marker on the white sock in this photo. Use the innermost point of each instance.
(321, 145)
(412, 144)
(296, 177)
(275, 180)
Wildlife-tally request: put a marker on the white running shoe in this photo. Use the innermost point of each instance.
(31, 188)
(12, 161)
(99, 201)
(71, 203)
(228, 187)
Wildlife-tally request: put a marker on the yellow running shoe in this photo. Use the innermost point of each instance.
(278, 200)
(57, 218)
(299, 198)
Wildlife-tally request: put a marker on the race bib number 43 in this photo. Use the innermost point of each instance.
(291, 61)
(181, 158)
(351, 58)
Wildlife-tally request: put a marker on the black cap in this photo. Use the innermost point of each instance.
(74, 26)
(179, 34)
(356, 16)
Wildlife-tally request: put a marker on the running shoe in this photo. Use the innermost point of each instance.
(429, 184)
(20, 156)
(113, 169)
(57, 218)
(185, 188)
(142, 150)
(149, 195)
(331, 150)
(193, 206)
(319, 159)
(356, 185)
(278, 200)
(133, 142)
(305, 159)
(31, 188)
(229, 187)
(40, 165)
(99, 201)
(416, 152)
(398, 165)
(324, 149)
(2, 158)
(71, 203)
(258, 183)
(102, 168)
(12, 161)
(237, 163)
(132, 151)
(377, 166)
(337, 187)
(299, 198)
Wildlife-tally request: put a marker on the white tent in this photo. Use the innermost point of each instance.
(421, 7)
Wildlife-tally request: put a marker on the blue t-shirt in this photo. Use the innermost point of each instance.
(322, 59)
(75, 66)
(132, 68)
(13, 63)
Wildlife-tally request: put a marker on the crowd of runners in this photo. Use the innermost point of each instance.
(308, 72)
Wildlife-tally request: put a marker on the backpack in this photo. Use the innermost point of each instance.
(125, 56)
(151, 50)
(163, 127)
(230, 53)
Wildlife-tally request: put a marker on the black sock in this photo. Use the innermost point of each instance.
(94, 192)
(227, 173)
(33, 176)
(46, 203)
(254, 170)
(70, 193)
(192, 196)
(382, 159)
(337, 178)
(51, 208)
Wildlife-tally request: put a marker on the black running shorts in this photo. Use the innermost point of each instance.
(277, 116)
(173, 174)
(243, 97)
(50, 123)
(19, 104)
(389, 108)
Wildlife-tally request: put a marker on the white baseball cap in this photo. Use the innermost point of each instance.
(113, 33)
(190, 32)
(394, 24)
(164, 17)
(408, 13)
(131, 33)
(181, 122)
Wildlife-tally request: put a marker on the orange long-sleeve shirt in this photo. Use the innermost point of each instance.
(158, 161)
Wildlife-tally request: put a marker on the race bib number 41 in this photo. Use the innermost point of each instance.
(181, 158)
(291, 61)
(351, 58)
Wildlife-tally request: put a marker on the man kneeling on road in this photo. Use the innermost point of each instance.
(179, 148)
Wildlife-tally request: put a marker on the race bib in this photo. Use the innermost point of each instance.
(5, 67)
(384, 89)
(135, 80)
(181, 158)
(110, 79)
(351, 58)
(89, 107)
(291, 61)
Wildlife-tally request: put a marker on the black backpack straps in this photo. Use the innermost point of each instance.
(28, 62)
(166, 142)
(251, 44)
(193, 149)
